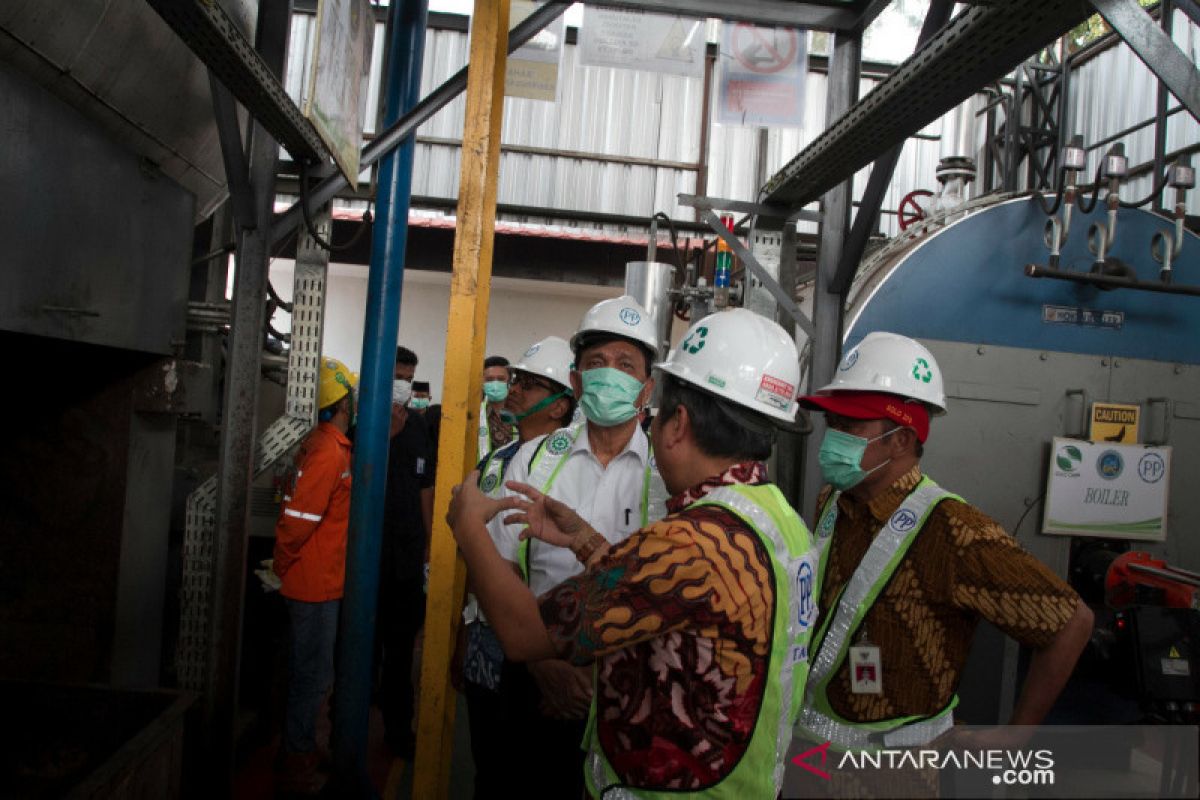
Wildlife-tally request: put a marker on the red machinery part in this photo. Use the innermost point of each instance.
(1138, 568)
(910, 211)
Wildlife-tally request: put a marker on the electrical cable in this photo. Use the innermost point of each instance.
(1025, 513)
(1084, 206)
(1159, 185)
(312, 229)
(1051, 210)
(679, 262)
(279, 301)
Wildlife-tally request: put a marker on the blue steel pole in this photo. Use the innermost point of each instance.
(352, 692)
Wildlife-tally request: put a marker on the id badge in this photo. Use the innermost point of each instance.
(866, 669)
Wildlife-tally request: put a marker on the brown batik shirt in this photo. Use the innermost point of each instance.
(961, 568)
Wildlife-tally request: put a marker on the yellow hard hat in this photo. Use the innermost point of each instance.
(334, 382)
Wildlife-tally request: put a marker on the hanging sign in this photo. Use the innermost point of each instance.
(1103, 489)
(1114, 422)
(336, 86)
(533, 69)
(646, 42)
(762, 76)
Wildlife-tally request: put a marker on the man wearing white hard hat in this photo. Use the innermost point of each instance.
(539, 401)
(909, 569)
(602, 467)
(697, 624)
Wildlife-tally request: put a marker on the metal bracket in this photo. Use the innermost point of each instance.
(1155, 48)
(769, 283)
(237, 172)
(744, 207)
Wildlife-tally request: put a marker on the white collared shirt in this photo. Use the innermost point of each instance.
(608, 498)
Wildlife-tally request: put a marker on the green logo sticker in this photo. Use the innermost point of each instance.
(922, 371)
(715, 381)
(558, 444)
(489, 483)
(699, 335)
(1068, 458)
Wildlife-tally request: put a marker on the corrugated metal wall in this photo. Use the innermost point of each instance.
(640, 115)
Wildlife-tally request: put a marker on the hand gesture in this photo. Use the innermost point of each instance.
(399, 417)
(469, 506)
(546, 518)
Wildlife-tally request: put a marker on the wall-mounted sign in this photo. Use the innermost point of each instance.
(647, 42)
(337, 83)
(1086, 317)
(1114, 422)
(762, 75)
(1109, 490)
(533, 69)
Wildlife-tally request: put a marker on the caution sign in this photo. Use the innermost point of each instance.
(762, 76)
(645, 42)
(1114, 422)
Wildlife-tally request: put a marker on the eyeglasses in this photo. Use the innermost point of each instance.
(526, 382)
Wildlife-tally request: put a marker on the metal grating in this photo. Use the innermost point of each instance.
(195, 595)
(215, 38)
(973, 49)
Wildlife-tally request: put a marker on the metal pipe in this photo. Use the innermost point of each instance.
(1109, 281)
(710, 59)
(352, 694)
(1160, 111)
(406, 124)
(240, 406)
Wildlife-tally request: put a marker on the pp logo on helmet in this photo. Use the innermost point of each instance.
(532, 350)
(629, 316)
(849, 361)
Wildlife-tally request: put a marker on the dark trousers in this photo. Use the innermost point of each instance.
(310, 669)
(401, 614)
(546, 755)
(485, 712)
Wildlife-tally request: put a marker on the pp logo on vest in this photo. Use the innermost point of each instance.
(630, 317)
(558, 444)
(806, 608)
(489, 483)
(903, 521)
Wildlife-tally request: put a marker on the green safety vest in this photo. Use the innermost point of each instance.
(548, 462)
(485, 433)
(818, 721)
(759, 773)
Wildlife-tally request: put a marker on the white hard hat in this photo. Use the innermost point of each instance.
(622, 316)
(742, 357)
(889, 362)
(550, 358)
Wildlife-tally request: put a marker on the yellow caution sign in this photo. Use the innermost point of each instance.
(1174, 653)
(1114, 422)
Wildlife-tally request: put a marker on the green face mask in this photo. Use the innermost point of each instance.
(495, 391)
(609, 396)
(419, 403)
(841, 458)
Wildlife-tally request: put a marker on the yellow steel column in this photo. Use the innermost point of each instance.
(470, 289)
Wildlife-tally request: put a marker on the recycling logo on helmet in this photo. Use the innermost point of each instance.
(922, 371)
(695, 347)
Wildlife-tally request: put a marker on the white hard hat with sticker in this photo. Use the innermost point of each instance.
(889, 362)
(623, 316)
(742, 357)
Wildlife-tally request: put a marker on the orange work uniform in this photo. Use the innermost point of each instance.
(310, 536)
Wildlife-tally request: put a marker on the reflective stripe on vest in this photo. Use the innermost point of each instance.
(548, 462)
(759, 773)
(485, 433)
(874, 571)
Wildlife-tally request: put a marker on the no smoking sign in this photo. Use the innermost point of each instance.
(765, 51)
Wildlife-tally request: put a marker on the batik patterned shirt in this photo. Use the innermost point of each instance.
(679, 618)
(963, 567)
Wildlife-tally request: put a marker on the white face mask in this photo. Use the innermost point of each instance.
(401, 391)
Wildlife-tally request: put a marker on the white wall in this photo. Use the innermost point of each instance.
(521, 312)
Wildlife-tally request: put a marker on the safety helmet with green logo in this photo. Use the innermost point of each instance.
(550, 358)
(621, 316)
(334, 381)
(889, 362)
(742, 357)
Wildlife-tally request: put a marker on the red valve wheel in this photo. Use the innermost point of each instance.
(910, 211)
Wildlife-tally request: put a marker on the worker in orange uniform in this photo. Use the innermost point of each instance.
(310, 560)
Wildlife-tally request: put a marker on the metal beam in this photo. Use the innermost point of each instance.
(214, 37)
(470, 290)
(238, 422)
(390, 138)
(783, 13)
(743, 207)
(1155, 48)
(975, 47)
(1190, 8)
(881, 174)
(229, 132)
